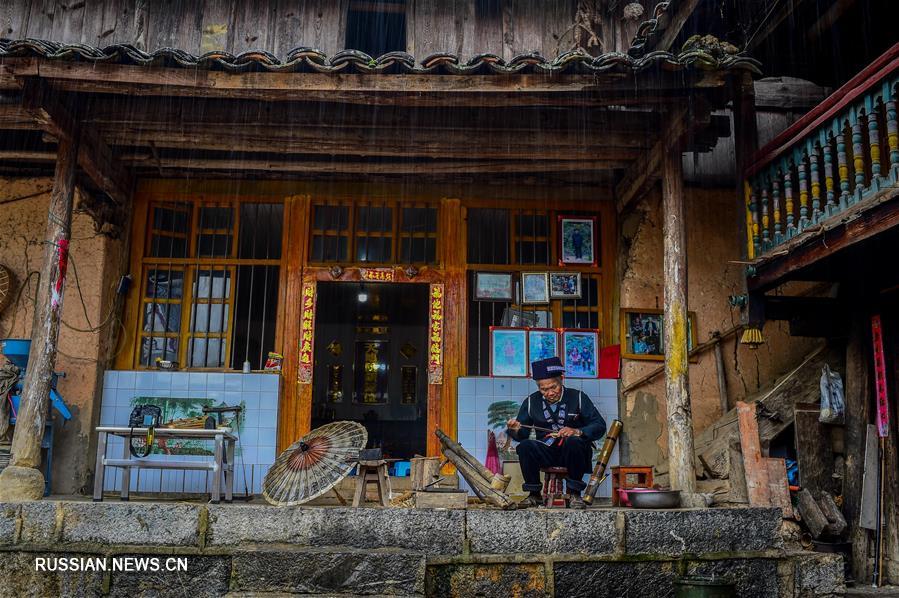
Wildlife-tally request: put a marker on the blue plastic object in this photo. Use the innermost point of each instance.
(402, 468)
(16, 351)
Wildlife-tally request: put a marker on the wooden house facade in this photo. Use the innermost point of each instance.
(258, 170)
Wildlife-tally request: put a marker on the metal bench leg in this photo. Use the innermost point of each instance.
(229, 470)
(126, 470)
(100, 469)
(217, 471)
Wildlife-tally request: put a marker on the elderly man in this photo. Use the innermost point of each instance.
(574, 423)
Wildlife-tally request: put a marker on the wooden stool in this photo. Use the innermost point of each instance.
(629, 477)
(372, 472)
(554, 486)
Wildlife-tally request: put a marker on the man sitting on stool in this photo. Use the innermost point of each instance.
(575, 423)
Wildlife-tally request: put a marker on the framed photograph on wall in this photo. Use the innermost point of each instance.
(534, 288)
(542, 344)
(577, 240)
(643, 334)
(515, 317)
(544, 318)
(564, 285)
(580, 352)
(493, 286)
(508, 351)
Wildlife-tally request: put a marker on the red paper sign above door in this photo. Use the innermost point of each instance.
(377, 274)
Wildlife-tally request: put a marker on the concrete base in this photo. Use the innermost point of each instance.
(262, 550)
(19, 484)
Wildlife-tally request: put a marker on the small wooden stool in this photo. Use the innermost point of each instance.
(629, 477)
(554, 486)
(372, 472)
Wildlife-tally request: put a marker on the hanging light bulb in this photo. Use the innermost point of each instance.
(363, 295)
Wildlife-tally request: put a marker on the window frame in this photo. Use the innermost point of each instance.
(143, 263)
(354, 236)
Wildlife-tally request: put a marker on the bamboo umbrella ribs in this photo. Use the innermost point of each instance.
(489, 487)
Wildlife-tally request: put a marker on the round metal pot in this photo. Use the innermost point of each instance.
(655, 499)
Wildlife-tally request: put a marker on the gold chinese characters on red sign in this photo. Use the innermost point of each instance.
(377, 274)
(435, 335)
(307, 336)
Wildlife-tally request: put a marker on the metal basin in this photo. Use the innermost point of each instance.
(654, 499)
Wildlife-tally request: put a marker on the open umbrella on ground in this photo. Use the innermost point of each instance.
(314, 464)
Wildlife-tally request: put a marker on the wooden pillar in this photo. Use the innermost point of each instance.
(31, 419)
(442, 397)
(677, 392)
(858, 397)
(293, 422)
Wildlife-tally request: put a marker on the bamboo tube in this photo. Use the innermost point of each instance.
(496, 480)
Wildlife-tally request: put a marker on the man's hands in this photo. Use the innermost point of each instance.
(566, 432)
(514, 425)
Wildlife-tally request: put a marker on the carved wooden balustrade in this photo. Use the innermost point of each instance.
(842, 153)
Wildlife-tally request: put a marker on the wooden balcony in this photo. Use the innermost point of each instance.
(829, 174)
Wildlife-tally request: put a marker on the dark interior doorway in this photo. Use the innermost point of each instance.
(371, 362)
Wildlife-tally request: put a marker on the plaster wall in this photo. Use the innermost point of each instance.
(712, 246)
(94, 267)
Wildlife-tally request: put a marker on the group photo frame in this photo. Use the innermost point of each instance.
(543, 343)
(643, 334)
(580, 352)
(565, 285)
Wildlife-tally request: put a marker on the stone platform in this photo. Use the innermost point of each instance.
(238, 550)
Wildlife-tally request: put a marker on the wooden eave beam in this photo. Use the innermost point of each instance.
(459, 90)
(95, 157)
(647, 169)
(406, 143)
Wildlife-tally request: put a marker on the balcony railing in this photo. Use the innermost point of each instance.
(843, 152)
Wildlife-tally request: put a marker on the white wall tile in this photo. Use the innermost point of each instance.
(110, 379)
(180, 380)
(268, 436)
(466, 404)
(483, 386)
(269, 382)
(233, 382)
(268, 418)
(125, 380)
(249, 436)
(502, 387)
(252, 382)
(196, 381)
(466, 386)
(468, 421)
(268, 400)
(608, 388)
(215, 381)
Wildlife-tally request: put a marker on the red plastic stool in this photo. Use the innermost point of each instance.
(554, 487)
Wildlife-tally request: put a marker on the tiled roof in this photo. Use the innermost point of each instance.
(310, 60)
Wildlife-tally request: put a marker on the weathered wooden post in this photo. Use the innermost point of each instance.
(22, 480)
(677, 392)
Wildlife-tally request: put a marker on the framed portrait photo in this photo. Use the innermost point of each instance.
(577, 240)
(564, 285)
(580, 352)
(508, 351)
(542, 344)
(534, 288)
(643, 334)
(493, 286)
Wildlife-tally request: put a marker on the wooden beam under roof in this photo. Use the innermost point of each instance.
(646, 88)
(407, 143)
(94, 155)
